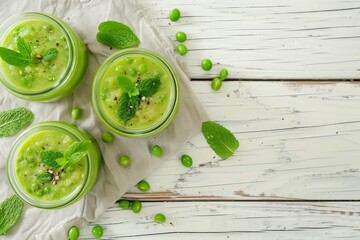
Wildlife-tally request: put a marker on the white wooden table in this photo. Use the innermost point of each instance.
(292, 103)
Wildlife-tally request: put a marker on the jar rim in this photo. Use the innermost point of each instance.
(15, 20)
(172, 106)
(62, 127)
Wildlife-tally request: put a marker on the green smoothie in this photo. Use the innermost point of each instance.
(151, 109)
(40, 75)
(28, 167)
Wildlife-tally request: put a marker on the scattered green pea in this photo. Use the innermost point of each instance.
(180, 36)
(76, 113)
(186, 160)
(74, 233)
(182, 49)
(174, 15)
(206, 64)
(107, 137)
(124, 204)
(159, 218)
(124, 160)
(136, 207)
(97, 231)
(157, 74)
(223, 74)
(216, 84)
(142, 68)
(156, 151)
(129, 60)
(143, 186)
(132, 72)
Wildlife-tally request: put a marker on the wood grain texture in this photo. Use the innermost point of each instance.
(297, 141)
(232, 220)
(280, 39)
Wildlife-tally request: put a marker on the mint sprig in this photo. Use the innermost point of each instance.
(71, 156)
(116, 35)
(129, 101)
(25, 57)
(220, 139)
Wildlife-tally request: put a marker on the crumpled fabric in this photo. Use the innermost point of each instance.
(113, 180)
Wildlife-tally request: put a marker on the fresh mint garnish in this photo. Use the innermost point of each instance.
(72, 155)
(116, 35)
(44, 177)
(129, 101)
(220, 139)
(127, 86)
(50, 54)
(49, 158)
(149, 86)
(13, 58)
(12, 121)
(77, 151)
(24, 48)
(127, 107)
(24, 57)
(10, 212)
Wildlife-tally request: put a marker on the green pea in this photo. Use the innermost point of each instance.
(129, 60)
(186, 160)
(159, 218)
(132, 72)
(223, 74)
(216, 84)
(47, 190)
(142, 68)
(156, 151)
(143, 186)
(157, 74)
(97, 231)
(74, 233)
(76, 113)
(182, 49)
(124, 204)
(180, 36)
(206, 64)
(174, 15)
(124, 160)
(136, 207)
(107, 137)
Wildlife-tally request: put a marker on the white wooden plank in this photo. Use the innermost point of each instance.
(280, 39)
(297, 141)
(232, 220)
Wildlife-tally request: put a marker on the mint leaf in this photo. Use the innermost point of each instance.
(149, 86)
(116, 35)
(24, 48)
(50, 54)
(220, 139)
(12, 121)
(13, 58)
(10, 212)
(127, 107)
(49, 158)
(44, 177)
(77, 151)
(127, 86)
(62, 162)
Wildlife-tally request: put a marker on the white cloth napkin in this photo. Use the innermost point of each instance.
(114, 181)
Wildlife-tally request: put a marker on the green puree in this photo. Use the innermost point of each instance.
(28, 166)
(136, 68)
(42, 36)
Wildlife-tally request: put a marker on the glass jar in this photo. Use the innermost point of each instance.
(153, 113)
(43, 79)
(24, 166)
